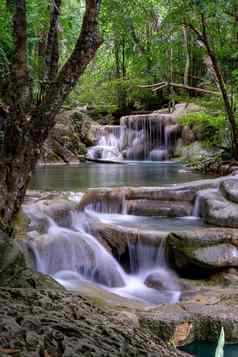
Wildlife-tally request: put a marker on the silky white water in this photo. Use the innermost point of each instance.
(72, 254)
(139, 137)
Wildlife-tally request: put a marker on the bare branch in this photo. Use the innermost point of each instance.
(161, 85)
(151, 85)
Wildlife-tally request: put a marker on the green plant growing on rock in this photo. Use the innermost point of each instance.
(211, 130)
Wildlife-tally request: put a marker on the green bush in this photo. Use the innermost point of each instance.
(212, 131)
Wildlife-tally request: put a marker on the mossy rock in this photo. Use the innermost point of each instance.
(21, 224)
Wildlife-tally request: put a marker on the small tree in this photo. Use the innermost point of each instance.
(204, 40)
(30, 119)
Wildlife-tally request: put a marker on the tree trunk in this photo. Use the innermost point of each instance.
(203, 37)
(120, 74)
(28, 124)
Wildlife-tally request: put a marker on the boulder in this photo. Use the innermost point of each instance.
(14, 271)
(217, 210)
(179, 192)
(199, 318)
(55, 206)
(73, 133)
(162, 279)
(120, 241)
(203, 251)
(58, 323)
(229, 189)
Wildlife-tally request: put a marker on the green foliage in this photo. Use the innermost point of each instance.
(5, 40)
(212, 130)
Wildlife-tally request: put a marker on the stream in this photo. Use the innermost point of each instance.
(71, 254)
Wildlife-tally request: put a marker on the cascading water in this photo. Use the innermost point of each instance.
(72, 254)
(139, 137)
(107, 147)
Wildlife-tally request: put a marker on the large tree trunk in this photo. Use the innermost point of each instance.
(28, 124)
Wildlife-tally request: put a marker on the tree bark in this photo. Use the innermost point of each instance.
(203, 37)
(187, 64)
(51, 58)
(19, 85)
(28, 125)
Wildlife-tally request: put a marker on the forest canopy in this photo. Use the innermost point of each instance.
(116, 56)
(144, 42)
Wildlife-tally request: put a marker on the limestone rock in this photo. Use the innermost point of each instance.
(229, 188)
(182, 192)
(73, 133)
(118, 240)
(217, 210)
(159, 208)
(14, 271)
(162, 280)
(62, 324)
(199, 318)
(204, 250)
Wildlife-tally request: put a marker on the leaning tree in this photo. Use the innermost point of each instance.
(29, 118)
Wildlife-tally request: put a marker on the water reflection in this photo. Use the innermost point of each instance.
(80, 177)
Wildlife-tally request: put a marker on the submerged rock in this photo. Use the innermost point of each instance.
(162, 279)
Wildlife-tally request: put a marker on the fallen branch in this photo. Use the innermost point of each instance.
(151, 85)
(161, 85)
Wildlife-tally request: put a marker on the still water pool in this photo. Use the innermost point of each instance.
(80, 177)
(204, 349)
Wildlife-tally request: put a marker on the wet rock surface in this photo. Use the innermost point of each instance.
(159, 208)
(71, 136)
(174, 194)
(229, 188)
(52, 323)
(200, 317)
(14, 268)
(203, 250)
(218, 210)
(162, 280)
(120, 240)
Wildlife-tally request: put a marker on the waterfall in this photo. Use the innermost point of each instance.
(107, 147)
(71, 254)
(139, 137)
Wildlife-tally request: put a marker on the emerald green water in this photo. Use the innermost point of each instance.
(204, 349)
(87, 175)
